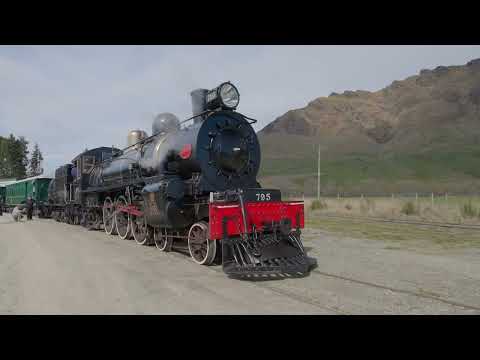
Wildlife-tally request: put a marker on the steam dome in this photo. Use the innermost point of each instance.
(135, 136)
(165, 122)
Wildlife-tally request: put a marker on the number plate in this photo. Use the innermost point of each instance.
(262, 195)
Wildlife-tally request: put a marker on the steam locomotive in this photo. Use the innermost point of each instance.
(193, 185)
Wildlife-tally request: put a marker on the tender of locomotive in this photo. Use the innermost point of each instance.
(194, 184)
(66, 192)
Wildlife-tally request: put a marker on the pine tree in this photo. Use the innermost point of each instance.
(40, 160)
(23, 150)
(3, 157)
(14, 157)
(17, 157)
(35, 166)
(32, 166)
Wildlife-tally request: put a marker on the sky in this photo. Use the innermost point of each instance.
(68, 98)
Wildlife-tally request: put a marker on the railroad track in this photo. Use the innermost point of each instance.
(420, 223)
(318, 273)
(397, 290)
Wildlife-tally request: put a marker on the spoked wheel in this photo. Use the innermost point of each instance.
(91, 219)
(122, 219)
(109, 217)
(202, 249)
(163, 242)
(69, 218)
(76, 219)
(140, 230)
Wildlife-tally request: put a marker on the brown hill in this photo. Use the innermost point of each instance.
(434, 113)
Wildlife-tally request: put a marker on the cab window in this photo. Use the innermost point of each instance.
(106, 156)
(88, 164)
(76, 173)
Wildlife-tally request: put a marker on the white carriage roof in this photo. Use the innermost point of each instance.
(5, 182)
(9, 182)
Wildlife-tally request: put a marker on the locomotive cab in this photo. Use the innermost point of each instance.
(82, 170)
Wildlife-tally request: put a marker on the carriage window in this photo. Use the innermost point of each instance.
(88, 164)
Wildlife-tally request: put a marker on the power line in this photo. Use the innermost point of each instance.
(318, 174)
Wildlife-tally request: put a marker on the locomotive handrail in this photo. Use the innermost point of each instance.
(253, 121)
(142, 142)
(160, 132)
(147, 139)
(181, 122)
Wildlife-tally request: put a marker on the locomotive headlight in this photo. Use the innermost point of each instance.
(229, 95)
(225, 96)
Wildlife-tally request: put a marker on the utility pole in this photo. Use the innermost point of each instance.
(318, 175)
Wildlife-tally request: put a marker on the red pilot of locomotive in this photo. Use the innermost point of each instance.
(189, 184)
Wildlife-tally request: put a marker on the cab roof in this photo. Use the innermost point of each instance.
(94, 151)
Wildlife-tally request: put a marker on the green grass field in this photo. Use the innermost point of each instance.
(454, 171)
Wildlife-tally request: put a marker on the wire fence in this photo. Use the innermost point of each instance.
(434, 196)
(424, 204)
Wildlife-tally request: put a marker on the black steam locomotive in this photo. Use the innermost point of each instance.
(193, 185)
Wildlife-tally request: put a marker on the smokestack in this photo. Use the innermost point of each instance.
(199, 103)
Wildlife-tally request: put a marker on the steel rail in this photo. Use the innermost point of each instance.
(421, 223)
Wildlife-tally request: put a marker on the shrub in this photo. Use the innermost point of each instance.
(408, 208)
(468, 210)
(318, 204)
(366, 205)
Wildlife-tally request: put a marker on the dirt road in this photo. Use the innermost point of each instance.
(53, 268)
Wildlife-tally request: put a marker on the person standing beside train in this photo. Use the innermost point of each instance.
(29, 206)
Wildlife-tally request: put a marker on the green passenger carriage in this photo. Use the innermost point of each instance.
(17, 192)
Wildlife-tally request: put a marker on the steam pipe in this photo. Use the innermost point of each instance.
(244, 214)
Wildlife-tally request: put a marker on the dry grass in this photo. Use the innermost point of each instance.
(318, 205)
(451, 209)
(400, 235)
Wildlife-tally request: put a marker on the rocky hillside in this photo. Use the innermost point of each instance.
(423, 131)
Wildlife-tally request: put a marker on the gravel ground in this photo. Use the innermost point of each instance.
(52, 268)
